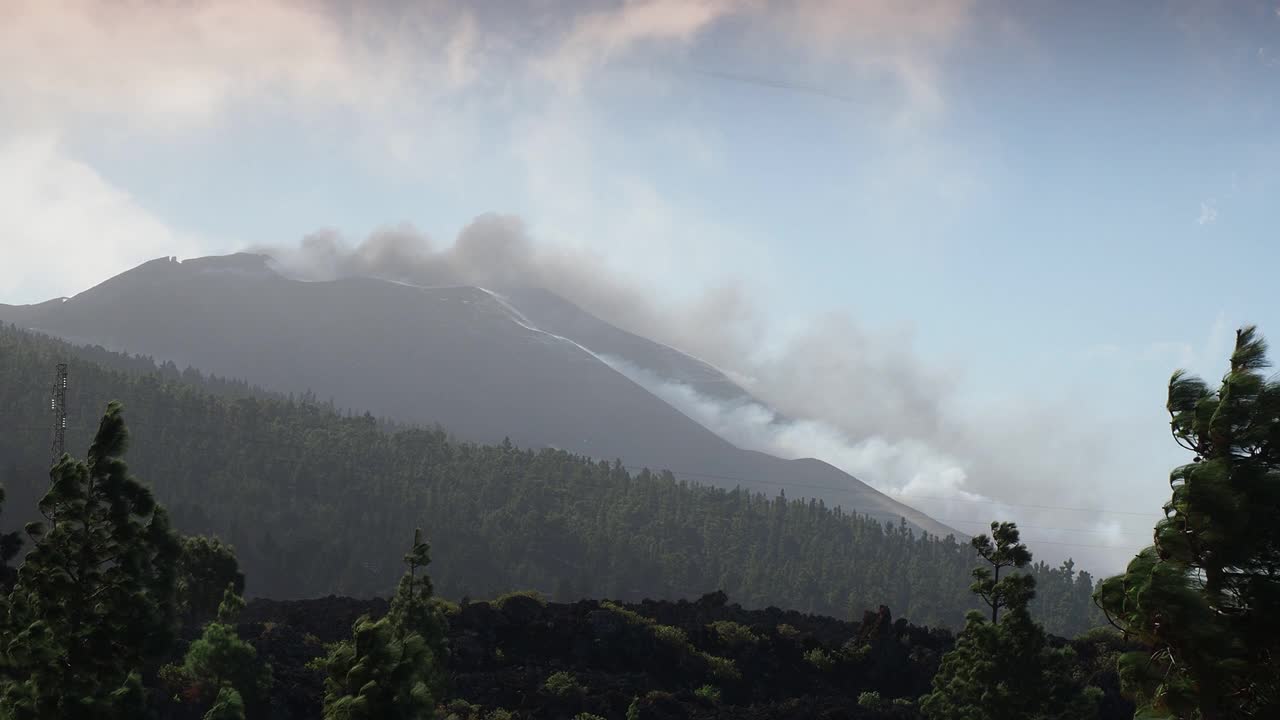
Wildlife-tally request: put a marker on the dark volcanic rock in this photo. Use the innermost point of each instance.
(502, 654)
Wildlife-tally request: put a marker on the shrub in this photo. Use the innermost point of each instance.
(871, 700)
(502, 600)
(631, 616)
(733, 634)
(856, 653)
(448, 607)
(656, 696)
(820, 659)
(710, 693)
(722, 668)
(672, 635)
(459, 709)
(587, 716)
(562, 684)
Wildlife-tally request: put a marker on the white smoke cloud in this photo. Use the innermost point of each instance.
(859, 399)
(895, 467)
(917, 471)
(414, 81)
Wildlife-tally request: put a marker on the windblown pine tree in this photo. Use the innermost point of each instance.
(1005, 669)
(1002, 550)
(1206, 596)
(94, 598)
(392, 668)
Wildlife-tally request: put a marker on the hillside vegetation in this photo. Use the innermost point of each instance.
(317, 501)
(461, 355)
(113, 615)
(110, 613)
(518, 657)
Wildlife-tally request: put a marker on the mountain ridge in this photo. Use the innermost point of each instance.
(460, 356)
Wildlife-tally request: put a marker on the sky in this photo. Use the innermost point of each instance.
(965, 242)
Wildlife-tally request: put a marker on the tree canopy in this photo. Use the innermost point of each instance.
(392, 667)
(1205, 597)
(1005, 669)
(95, 596)
(313, 498)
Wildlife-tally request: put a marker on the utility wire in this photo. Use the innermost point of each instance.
(773, 83)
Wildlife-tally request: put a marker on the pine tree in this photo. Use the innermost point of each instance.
(1005, 669)
(1002, 550)
(219, 666)
(590, 526)
(94, 598)
(414, 607)
(227, 706)
(392, 667)
(1206, 596)
(205, 567)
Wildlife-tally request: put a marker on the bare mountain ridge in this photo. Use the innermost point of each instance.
(521, 365)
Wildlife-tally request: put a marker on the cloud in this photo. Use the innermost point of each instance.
(600, 36)
(64, 226)
(412, 80)
(1208, 213)
(403, 88)
(164, 65)
(857, 397)
(906, 40)
(898, 466)
(955, 482)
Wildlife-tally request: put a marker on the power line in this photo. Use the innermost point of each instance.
(773, 83)
(1049, 529)
(1023, 505)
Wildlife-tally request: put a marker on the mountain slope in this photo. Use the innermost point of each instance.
(553, 313)
(458, 356)
(316, 503)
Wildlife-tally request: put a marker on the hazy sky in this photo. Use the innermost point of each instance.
(1043, 207)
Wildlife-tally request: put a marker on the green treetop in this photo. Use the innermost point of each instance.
(1005, 669)
(94, 598)
(205, 568)
(1002, 550)
(219, 667)
(393, 667)
(1206, 596)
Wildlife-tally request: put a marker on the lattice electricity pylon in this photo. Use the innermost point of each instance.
(58, 403)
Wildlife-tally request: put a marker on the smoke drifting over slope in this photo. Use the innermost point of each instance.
(496, 251)
(858, 399)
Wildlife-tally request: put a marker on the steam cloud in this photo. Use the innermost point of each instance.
(858, 399)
